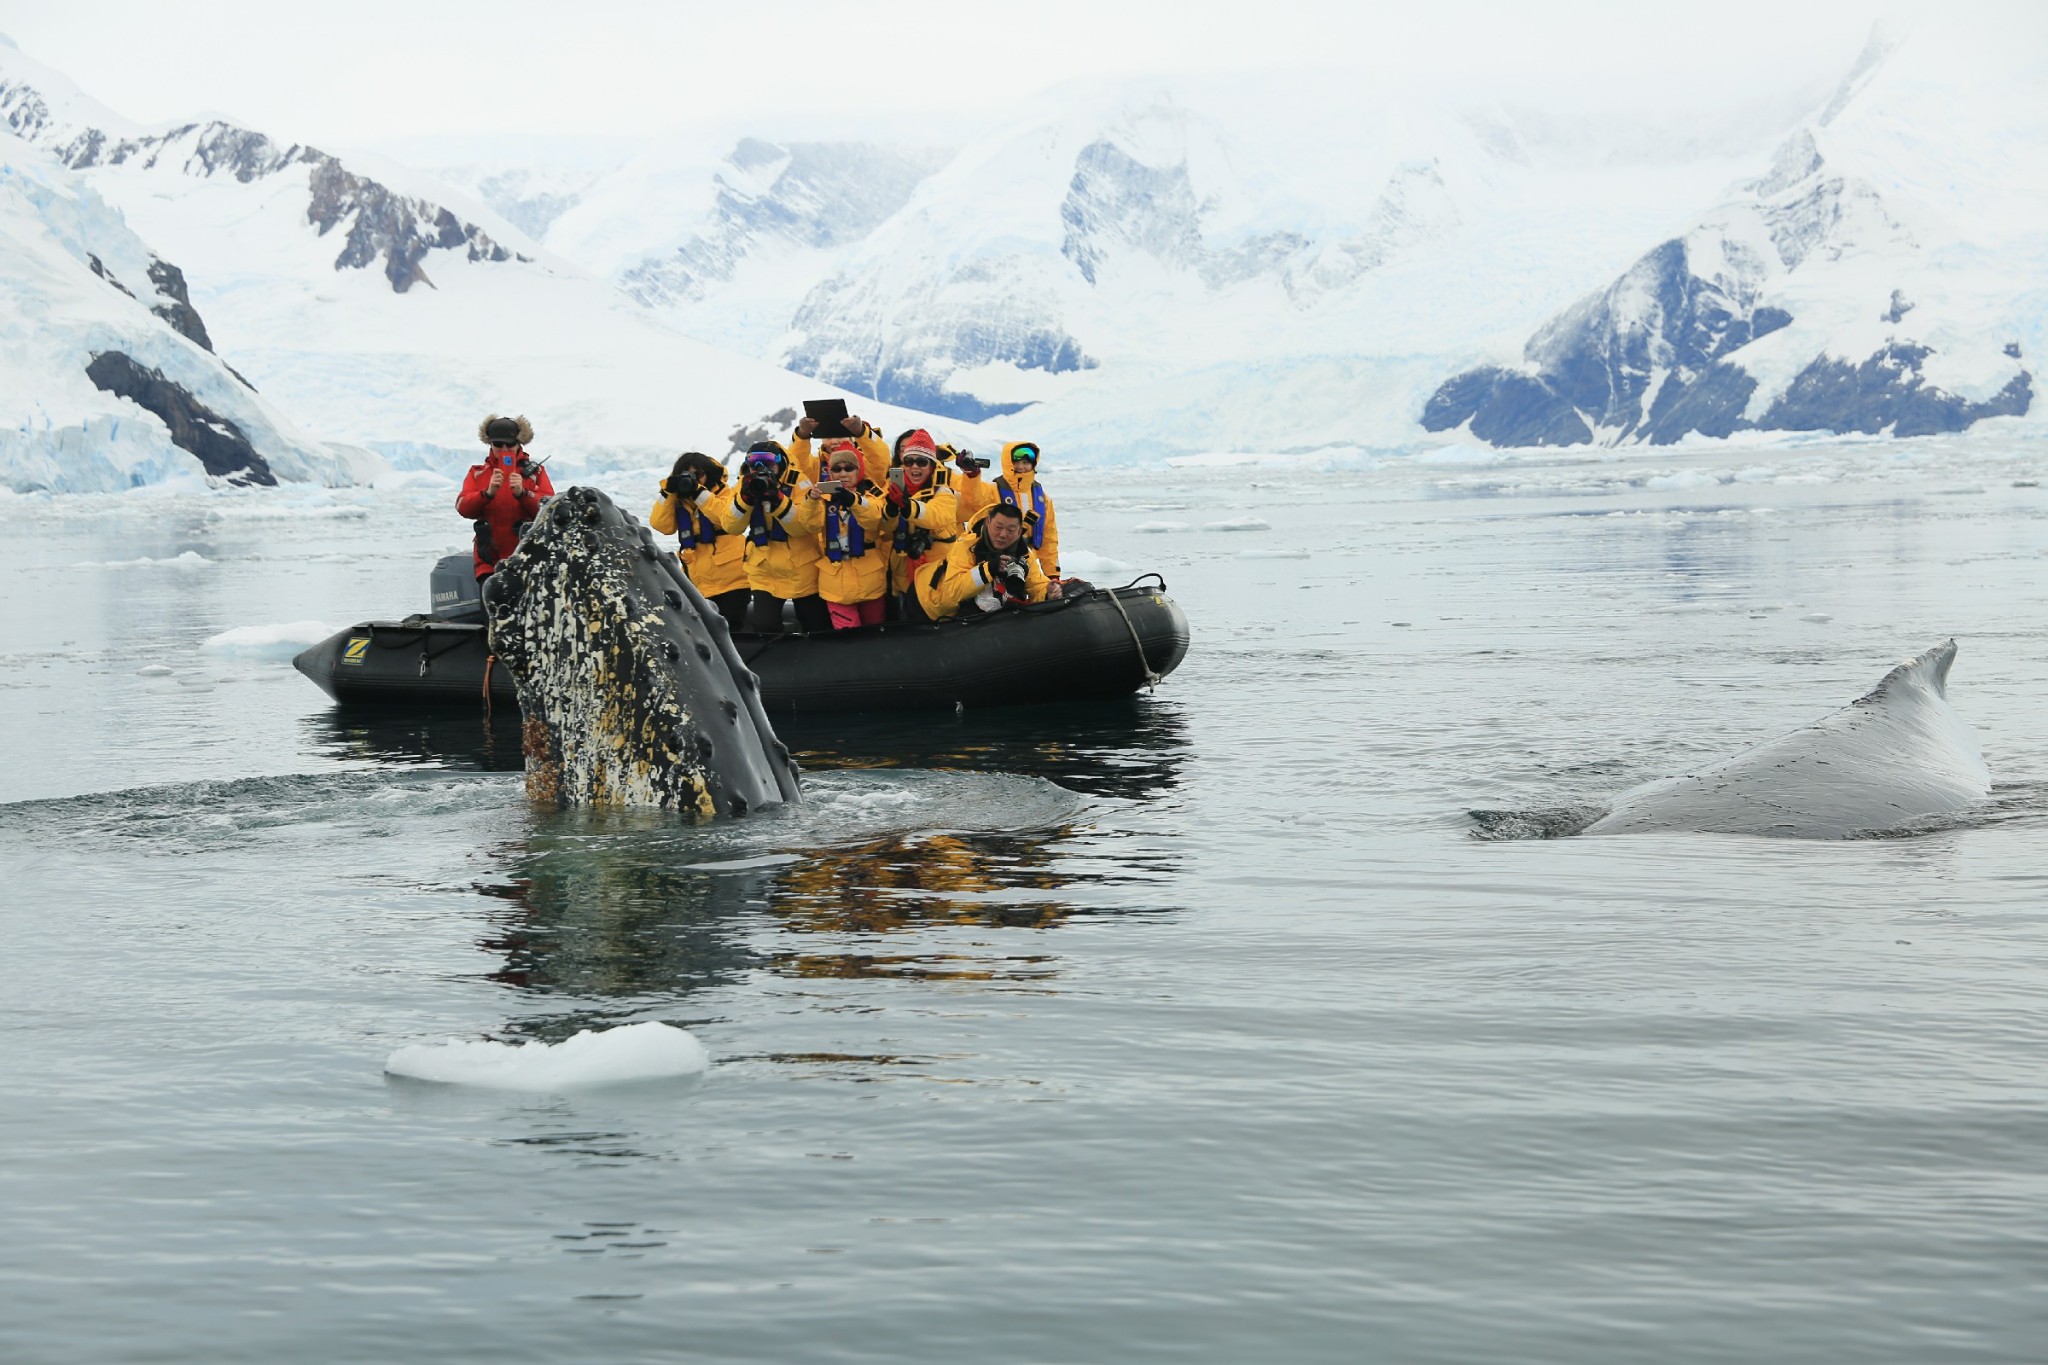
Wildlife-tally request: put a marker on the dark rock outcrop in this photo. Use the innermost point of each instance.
(175, 304)
(221, 447)
(1506, 408)
(1887, 390)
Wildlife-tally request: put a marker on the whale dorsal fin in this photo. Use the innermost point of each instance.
(1929, 670)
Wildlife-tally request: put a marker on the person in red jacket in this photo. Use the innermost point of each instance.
(504, 493)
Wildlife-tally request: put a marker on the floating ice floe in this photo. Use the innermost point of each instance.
(287, 637)
(1158, 527)
(1085, 564)
(154, 671)
(1238, 524)
(190, 559)
(620, 1056)
(1273, 554)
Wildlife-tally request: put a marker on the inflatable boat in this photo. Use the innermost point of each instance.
(1097, 643)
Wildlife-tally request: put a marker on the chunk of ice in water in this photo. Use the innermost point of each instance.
(619, 1056)
(1159, 527)
(153, 671)
(1238, 524)
(285, 637)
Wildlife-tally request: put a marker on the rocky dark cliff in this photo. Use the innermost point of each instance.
(220, 445)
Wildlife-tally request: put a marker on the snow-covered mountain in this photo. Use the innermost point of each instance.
(379, 308)
(1886, 273)
(108, 377)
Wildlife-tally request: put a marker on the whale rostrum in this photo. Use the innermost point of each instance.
(1892, 759)
(630, 690)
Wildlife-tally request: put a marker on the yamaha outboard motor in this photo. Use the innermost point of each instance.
(455, 590)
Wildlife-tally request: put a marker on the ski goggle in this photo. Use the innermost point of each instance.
(761, 463)
(1028, 454)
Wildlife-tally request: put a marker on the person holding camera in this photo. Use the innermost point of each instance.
(502, 495)
(689, 507)
(874, 451)
(773, 508)
(923, 517)
(854, 575)
(1019, 486)
(993, 569)
(972, 492)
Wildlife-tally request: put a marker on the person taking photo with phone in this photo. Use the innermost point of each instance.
(502, 495)
(923, 517)
(691, 507)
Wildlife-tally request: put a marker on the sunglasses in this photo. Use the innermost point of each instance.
(504, 445)
(918, 460)
(844, 468)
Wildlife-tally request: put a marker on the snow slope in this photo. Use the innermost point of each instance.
(384, 310)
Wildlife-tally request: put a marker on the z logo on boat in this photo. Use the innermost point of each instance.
(355, 650)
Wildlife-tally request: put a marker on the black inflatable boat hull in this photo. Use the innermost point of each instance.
(1077, 651)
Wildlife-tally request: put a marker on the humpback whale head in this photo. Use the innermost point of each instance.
(630, 690)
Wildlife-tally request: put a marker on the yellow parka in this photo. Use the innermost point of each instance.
(855, 566)
(874, 456)
(920, 533)
(783, 547)
(942, 590)
(1041, 524)
(715, 560)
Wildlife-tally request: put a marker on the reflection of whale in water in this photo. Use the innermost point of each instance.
(629, 686)
(1888, 760)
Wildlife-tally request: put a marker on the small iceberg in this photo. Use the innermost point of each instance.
(592, 1058)
(1239, 524)
(1084, 563)
(287, 637)
(1153, 528)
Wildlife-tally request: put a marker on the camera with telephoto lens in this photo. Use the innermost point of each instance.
(682, 486)
(759, 488)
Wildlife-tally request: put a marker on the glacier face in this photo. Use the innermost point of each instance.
(107, 377)
(1824, 295)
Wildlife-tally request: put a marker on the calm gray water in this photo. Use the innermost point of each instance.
(1196, 1028)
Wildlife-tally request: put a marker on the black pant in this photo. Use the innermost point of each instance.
(909, 608)
(764, 614)
(732, 605)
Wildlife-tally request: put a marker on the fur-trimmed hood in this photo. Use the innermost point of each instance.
(525, 428)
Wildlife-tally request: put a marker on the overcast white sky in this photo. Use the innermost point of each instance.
(371, 71)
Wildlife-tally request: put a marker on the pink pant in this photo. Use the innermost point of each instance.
(859, 614)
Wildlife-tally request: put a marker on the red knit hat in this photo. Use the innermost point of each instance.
(918, 441)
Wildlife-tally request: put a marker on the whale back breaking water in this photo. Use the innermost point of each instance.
(631, 692)
(1897, 758)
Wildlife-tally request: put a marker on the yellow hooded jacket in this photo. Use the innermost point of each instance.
(1041, 523)
(943, 590)
(715, 560)
(934, 510)
(855, 566)
(783, 545)
(874, 456)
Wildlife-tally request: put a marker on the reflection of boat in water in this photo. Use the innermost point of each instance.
(1128, 749)
(1095, 645)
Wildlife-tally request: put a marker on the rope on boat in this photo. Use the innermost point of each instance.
(489, 661)
(1151, 678)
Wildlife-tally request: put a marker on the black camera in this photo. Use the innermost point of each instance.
(967, 459)
(759, 488)
(683, 486)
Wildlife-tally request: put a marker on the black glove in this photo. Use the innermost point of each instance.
(683, 487)
(842, 496)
